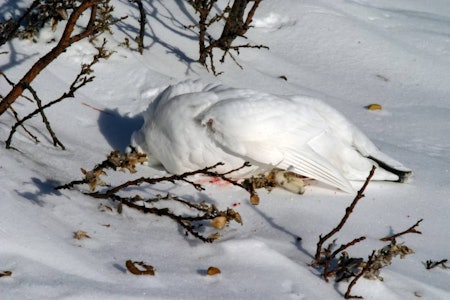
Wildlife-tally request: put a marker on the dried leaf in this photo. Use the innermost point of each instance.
(213, 271)
(5, 273)
(139, 268)
(80, 234)
(93, 178)
(374, 106)
(234, 215)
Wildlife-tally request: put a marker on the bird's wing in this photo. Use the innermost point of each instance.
(271, 131)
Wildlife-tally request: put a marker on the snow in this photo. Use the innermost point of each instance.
(348, 53)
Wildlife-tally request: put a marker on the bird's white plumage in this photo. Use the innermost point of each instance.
(191, 125)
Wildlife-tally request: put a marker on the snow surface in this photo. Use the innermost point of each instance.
(348, 53)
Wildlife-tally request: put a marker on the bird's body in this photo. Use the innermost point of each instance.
(191, 125)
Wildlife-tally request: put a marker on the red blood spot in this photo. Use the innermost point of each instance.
(215, 181)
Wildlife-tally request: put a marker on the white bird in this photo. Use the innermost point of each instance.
(192, 125)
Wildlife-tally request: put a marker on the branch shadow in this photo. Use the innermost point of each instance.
(117, 129)
(46, 187)
(162, 19)
(296, 240)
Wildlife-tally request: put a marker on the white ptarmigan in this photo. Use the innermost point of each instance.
(193, 124)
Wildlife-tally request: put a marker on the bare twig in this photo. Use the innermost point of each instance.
(13, 26)
(411, 229)
(430, 264)
(331, 256)
(357, 277)
(142, 22)
(348, 212)
(128, 161)
(235, 26)
(56, 141)
(80, 80)
(66, 40)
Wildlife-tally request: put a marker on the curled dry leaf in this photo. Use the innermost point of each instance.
(80, 234)
(126, 161)
(5, 273)
(213, 271)
(139, 268)
(234, 215)
(93, 178)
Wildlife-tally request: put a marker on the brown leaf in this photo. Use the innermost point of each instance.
(374, 106)
(5, 273)
(80, 234)
(139, 268)
(213, 271)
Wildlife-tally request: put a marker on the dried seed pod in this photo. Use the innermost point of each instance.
(254, 199)
(213, 271)
(219, 222)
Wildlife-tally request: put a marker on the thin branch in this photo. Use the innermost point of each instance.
(142, 22)
(331, 256)
(411, 229)
(348, 212)
(433, 264)
(65, 41)
(15, 25)
(116, 160)
(80, 80)
(56, 141)
(366, 268)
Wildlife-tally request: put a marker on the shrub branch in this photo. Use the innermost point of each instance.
(66, 40)
(121, 193)
(341, 224)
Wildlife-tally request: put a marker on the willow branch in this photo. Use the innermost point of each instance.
(66, 40)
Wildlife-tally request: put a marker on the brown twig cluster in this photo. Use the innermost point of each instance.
(99, 21)
(34, 18)
(84, 77)
(191, 221)
(340, 265)
(237, 22)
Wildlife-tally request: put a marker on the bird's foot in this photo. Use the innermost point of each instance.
(287, 180)
(277, 178)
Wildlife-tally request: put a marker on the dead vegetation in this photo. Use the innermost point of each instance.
(236, 23)
(191, 220)
(5, 274)
(236, 18)
(27, 26)
(139, 268)
(339, 264)
(431, 264)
